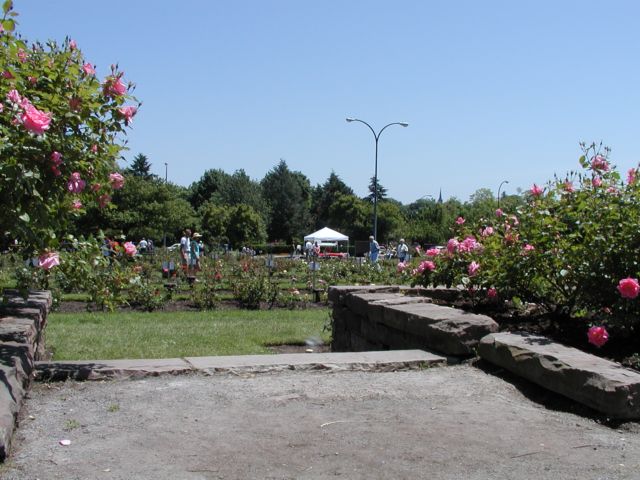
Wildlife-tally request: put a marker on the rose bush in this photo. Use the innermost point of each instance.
(61, 132)
(572, 248)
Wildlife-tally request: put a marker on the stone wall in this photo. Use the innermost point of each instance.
(22, 323)
(397, 318)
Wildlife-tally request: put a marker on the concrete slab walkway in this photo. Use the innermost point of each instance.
(456, 422)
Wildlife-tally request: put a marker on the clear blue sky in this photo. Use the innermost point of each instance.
(493, 90)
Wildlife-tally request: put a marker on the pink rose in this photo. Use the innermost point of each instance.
(114, 87)
(631, 176)
(629, 287)
(599, 163)
(128, 113)
(94, 148)
(75, 183)
(452, 245)
(469, 244)
(32, 80)
(499, 212)
(130, 249)
(598, 336)
(487, 231)
(56, 158)
(473, 268)
(88, 69)
(36, 121)
(432, 252)
(95, 187)
(73, 45)
(103, 200)
(117, 181)
(528, 248)
(568, 187)
(13, 96)
(460, 220)
(536, 191)
(22, 55)
(48, 260)
(426, 265)
(596, 181)
(76, 204)
(1, 107)
(492, 293)
(8, 75)
(401, 266)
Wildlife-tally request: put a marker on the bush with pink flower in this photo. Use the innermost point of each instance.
(573, 251)
(62, 131)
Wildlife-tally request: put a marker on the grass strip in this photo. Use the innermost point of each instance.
(107, 336)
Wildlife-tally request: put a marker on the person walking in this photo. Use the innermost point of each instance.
(194, 261)
(185, 250)
(374, 249)
(403, 251)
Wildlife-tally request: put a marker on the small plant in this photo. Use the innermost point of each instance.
(114, 407)
(71, 425)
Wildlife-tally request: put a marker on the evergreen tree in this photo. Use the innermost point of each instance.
(140, 166)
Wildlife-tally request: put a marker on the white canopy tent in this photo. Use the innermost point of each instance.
(326, 235)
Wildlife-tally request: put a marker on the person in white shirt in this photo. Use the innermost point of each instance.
(403, 251)
(185, 249)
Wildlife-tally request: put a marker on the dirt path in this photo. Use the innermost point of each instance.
(440, 423)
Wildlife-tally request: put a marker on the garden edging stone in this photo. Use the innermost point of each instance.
(21, 324)
(605, 386)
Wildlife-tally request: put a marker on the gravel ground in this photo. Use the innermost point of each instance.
(440, 423)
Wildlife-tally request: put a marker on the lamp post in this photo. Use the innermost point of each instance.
(376, 136)
(166, 172)
(499, 187)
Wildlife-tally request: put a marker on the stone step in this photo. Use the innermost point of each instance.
(101, 369)
(603, 385)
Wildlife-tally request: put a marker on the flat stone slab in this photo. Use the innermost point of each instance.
(379, 360)
(102, 369)
(598, 383)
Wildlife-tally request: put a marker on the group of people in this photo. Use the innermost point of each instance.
(311, 249)
(401, 251)
(191, 249)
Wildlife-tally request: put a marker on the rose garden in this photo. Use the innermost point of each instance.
(562, 263)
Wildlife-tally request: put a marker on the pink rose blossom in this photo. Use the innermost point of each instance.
(598, 336)
(629, 287)
(114, 87)
(599, 163)
(631, 176)
(128, 113)
(32, 80)
(487, 231)
(103, 200)
(36, 121)
(401, 267)
(8, 75)
(75, 183)
(88, 69)
(56, 160)
(73, 45)
(473, 268)
(432, 252)
(95, 187)
(528, 248)
(14, 97)
(492, 293)
(94, 148)
(48, 260)
(130, 249)
(22, 55)
(76, 204)
(426, 265)
(596, 182)
(1, 107)
(568, 187)
(469, 244)
(117, 181)
(452, 246)
(460, 220)
(499, 212)
(536, 191)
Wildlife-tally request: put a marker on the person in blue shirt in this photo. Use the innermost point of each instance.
(374, 249)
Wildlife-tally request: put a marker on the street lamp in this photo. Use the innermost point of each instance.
(501, 183)
(166, 172)
(376, 136)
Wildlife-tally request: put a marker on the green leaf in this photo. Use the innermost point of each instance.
(9, 25)
(7, 5)
(25, 217)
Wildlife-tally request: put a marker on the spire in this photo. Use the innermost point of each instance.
(440, 196)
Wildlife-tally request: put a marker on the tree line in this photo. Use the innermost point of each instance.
(282, 207)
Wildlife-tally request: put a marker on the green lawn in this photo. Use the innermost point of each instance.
(103, 336)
